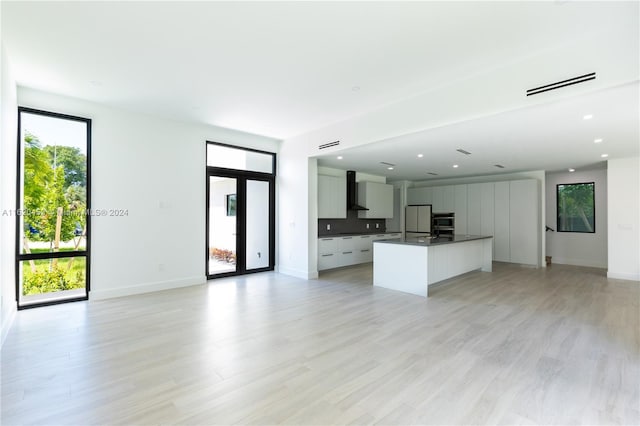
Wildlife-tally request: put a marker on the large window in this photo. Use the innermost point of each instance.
(576, 207)
(53, 199)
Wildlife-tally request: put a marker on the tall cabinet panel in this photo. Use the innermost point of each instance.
(487, 210)
(460, 208)
(448, 199)
(523, 230)
(332, 197)
(474, 212)
(437, 200)
(501, 222)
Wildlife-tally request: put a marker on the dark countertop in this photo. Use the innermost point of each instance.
(358, 234)
(428, 241)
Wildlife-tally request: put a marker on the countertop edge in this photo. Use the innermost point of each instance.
(429, 243)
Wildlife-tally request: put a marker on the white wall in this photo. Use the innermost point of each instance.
(576, 248)
(297, 195)
(8, 144)
(155, 168)
(623, 187)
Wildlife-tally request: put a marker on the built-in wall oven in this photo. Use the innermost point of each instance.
(443, 224)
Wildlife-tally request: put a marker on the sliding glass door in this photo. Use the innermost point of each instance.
(53, 199)
(240, 211)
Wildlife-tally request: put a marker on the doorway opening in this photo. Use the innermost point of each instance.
(240, 213)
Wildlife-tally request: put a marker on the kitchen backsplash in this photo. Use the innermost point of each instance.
(350, 225)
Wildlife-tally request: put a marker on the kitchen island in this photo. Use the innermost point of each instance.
(411, 265)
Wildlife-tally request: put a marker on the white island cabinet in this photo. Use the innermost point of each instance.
(412, 265)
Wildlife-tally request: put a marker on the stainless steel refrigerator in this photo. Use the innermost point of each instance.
(417, 220)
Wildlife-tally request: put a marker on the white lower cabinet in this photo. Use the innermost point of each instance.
(334, 252)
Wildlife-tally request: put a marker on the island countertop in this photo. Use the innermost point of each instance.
(432, 241)
(413, 264)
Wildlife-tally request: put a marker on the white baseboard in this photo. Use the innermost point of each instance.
(145, 288)
(623, 276)
(305, 275)
(7, 322)
(578, 262)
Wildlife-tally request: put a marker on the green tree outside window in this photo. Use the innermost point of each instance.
(576, 207)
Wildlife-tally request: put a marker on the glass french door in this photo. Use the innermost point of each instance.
(240, 224)
(223, 226)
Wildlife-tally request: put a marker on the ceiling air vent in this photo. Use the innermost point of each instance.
(462, 151)
(387, 164)
(500, 166)
(563, 83)
(328, 144)
(432, 174)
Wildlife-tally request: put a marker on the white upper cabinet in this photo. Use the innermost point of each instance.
(378, 198)
(437, 199)
(474, 209)
(332, 197)
(460, 208)
(421, 195)
(448, 199)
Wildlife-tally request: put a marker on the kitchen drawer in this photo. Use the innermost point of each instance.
(347, 243)
(346, 257)
(364, 242)
(327, 261)
(364, 255)
(327, 245)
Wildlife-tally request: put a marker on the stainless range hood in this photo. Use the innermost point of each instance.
(352, 192)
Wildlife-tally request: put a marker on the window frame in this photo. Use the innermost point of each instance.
(593, 188)
(21, 257)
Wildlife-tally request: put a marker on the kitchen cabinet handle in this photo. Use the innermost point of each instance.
(346, 238)
(366, 236)
(347, 252)
(327, 239)
(325, 255)
(365, 250)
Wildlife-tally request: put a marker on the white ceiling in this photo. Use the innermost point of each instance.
(550, 137)
(281, 69)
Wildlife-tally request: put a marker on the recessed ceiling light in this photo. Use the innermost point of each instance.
(588, 117)
(389, 168)
(572, 170)
(339, 157)
(597, 140)
(455, 166)
(604, 155)
(420, 155)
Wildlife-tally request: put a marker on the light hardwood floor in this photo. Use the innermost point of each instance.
(516, 346)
